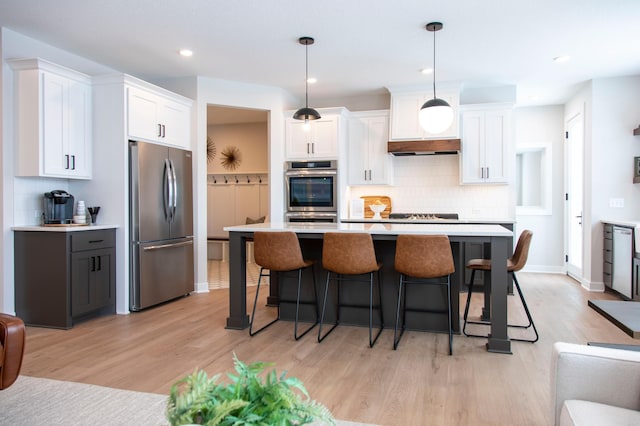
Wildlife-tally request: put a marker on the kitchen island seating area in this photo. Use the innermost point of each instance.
(279, 252)
(494, 238)
(349, 257)
(423, 260)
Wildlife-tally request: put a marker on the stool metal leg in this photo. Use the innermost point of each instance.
(526, 310)
(449, 313)
(466, 310)
(324, 305)
(253, 312)
(396, 340)
(373, 341)
(315, 297)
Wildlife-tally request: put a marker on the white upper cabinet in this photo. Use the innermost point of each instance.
(405, 107)
(53, 107)
(319, 140)
(369, 162)
(158, 118)
(486, 135)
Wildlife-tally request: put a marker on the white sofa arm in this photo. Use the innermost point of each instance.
(592, 373)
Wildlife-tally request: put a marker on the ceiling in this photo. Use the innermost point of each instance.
(361, 46)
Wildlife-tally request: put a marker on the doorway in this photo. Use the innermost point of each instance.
(574, 190)
(237, 182)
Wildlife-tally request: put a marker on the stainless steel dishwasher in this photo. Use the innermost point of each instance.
(622, 260)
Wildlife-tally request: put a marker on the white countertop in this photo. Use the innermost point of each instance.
(450, 229)
(63, 228)
(436, 221)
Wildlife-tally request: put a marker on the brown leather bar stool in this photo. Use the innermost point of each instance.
(424, 260)
(12, 339)
(347, 257)
(280, 252)
(514, 264)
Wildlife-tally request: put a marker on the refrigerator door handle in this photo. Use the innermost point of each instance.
(168, 190)
(163, 246)
(174, 203)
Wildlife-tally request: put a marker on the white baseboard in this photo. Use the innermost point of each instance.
(202, 287)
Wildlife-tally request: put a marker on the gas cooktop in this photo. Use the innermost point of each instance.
(423, 216)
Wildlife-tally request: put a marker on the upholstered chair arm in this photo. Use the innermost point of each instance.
(12, 338)
(596, 374)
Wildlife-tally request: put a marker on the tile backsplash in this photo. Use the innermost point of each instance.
(431, 184)
(28, 194)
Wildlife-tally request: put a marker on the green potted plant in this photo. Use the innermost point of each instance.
(248, 399)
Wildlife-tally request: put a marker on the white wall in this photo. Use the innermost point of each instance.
(251, 141)
(615, 113)
(612, 110)
(535, 125)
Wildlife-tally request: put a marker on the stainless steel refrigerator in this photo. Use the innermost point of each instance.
(161, 224)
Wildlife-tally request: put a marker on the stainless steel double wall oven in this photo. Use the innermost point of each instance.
(312, 191)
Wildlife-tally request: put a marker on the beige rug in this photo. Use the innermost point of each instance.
(32, 401)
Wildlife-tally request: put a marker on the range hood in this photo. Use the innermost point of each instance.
(424, 147)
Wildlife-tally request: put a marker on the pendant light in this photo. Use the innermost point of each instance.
(436, 115)
(306, 113)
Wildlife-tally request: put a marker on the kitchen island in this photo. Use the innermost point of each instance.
(495, 237)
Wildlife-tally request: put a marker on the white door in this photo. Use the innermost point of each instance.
(574, 195)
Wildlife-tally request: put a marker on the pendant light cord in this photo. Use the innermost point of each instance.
(434, 64)
(306, 76)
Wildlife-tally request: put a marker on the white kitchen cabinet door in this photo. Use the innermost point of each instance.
(80, 126)
(156, 118)
(369, 161)
(404, 116)
(485, 139)
(319, 140)
(143, 118)
(177, 120)
(53, 120)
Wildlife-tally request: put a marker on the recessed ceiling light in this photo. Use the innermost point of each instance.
(561, 59)
(426, 70)
(186, 52)
(312, 80)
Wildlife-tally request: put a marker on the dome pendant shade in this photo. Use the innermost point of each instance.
(306, 113)
(435, 116)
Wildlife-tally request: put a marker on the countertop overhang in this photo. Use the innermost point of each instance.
(450, 229)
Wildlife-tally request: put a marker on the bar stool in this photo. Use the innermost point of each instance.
(421, 259)
(352, 255)
(280, 252)
(514, 264)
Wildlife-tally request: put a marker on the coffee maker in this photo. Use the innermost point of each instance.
(58, 207)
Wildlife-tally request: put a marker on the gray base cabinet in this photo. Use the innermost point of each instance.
(62, 277)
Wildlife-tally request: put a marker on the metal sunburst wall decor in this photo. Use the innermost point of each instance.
(211, 149)
(230, 158)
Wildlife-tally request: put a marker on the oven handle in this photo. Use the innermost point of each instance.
(304, 173)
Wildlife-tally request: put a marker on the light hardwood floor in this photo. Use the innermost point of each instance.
(419, 384)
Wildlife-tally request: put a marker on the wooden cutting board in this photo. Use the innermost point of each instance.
(371, 199)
